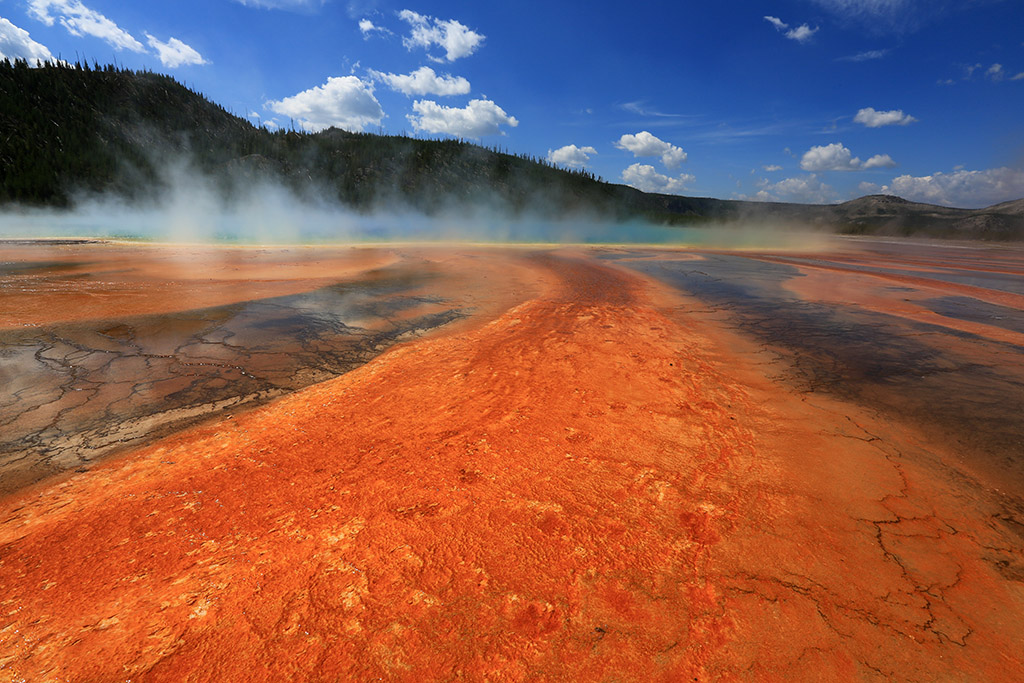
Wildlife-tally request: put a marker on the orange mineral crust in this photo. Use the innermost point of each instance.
(594, 485)
(70, 282)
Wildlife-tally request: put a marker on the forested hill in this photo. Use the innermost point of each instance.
(70, 131)
(74, 129)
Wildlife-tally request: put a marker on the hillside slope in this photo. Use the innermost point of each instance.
(72, 131)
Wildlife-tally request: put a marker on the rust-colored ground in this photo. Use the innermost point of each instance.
(593, 485)
(139, 279)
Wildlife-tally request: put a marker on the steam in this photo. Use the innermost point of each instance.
(239, 208)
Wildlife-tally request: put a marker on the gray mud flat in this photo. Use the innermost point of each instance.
(75, 392)
(964, 389)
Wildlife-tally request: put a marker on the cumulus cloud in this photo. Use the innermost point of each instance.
(807, 190)
(970, 189)
(571, 155)
(836, 157)
(80, 21)
(478, 118)
(771, 168)
(456, 38)
(875, 119)
(424, 81)
(15, 43)
(644, 144)
(995, 72)
(175, 53)
(645, 178)
(344, 102)
(800, 34)
(879, 161)
(833, 157)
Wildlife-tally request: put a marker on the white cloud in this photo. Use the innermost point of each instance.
(969, 189)
(344, 102)
(456, 38)
(800, 34)
(865, 56)
(80, 21)
(882, 15)
(478, 118)
(807, 189)
(175, 53)
(15, 43)
(424, 81)
(1017, 77)
(995, 72)
(643, 177)
(771, 168)
(832, 157)
(867, 7)
(281, 4)
(869, 188)
(836, 157)
(571, 155)
(368, 28)
(879, 161)
(874, 119)
(644, 144)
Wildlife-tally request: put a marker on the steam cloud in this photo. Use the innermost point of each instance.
(195, 209)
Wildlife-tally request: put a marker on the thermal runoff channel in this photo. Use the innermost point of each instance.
(424, 462)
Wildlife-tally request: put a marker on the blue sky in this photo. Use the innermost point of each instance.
(794, 100)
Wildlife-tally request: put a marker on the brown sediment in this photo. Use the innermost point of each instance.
(595, 484)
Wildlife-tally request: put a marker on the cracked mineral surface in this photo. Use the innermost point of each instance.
(510, 464)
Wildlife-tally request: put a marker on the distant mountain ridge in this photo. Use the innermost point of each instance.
(72, 130)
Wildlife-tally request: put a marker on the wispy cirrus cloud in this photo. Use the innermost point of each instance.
(800, 34)
(867, 56)
(302, 5)
(892, 16)
(640, 108)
